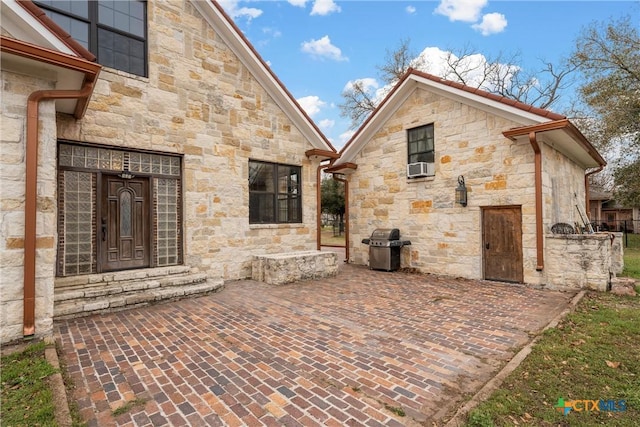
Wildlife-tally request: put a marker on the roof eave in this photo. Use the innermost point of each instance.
(73, 72)
(565, 126)
(511, 109)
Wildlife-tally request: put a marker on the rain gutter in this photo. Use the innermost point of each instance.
(58, 60)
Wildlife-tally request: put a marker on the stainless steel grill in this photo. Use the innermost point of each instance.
(384, 249)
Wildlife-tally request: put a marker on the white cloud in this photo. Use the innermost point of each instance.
(368, 84)
(492, 23)
(322, 48)
(410, 10)
(472, 67)
(324, 7)
(273, 32)
(311, 104)
(298, 3)
(231, 7)
(461, 10)
(326, 124)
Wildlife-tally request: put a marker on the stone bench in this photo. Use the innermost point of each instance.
(278, 269)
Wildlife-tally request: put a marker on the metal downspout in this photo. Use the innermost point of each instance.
(538, 192)
(587, 189)
(346, 216)
(31, 195)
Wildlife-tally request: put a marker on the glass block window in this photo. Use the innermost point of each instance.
(78, 156)
(114, 31)
(77, 233)
(167, 223)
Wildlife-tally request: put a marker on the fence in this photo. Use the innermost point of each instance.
(629, 228)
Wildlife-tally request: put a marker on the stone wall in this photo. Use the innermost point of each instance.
(200, 101)
(447, 238)
(578, 261)
(16, 87)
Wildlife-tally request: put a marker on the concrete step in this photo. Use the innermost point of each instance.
(89, 298)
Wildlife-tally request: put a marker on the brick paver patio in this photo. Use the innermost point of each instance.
(364, 348)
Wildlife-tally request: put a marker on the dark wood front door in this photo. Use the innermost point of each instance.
(123, 228)
(502, 243)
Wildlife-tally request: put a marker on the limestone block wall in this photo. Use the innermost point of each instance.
(562, 187)
(577, 261)
(16, 87)
(200, 101)
(446, 238)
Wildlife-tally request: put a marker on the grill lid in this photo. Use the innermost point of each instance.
(385, 234)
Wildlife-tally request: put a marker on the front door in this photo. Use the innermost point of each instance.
(502, 243)
(123, 228)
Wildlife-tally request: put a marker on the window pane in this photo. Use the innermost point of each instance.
(79, 8)
(261, 209)
(261, 177)
(283, 209)
(121, 52)
(126, 16)
(77, 29)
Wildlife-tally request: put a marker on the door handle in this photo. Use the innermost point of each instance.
(486, 245)
(104, 229)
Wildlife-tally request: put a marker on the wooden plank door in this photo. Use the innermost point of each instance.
(123, 226)
(502, 243)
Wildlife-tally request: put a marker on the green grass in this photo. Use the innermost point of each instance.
(327, 237)
(24, 390)
(632, 257)
(591, 355)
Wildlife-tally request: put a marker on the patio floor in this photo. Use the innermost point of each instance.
(363, 348)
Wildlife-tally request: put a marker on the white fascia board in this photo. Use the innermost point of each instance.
(482, 103)
(258, 69)
(23, 26)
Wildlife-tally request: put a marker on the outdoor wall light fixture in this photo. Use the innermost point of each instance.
(461, 192)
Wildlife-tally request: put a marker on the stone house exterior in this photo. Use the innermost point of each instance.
(172, 158)
(523, 169)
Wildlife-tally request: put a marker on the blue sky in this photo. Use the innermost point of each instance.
(316, 47)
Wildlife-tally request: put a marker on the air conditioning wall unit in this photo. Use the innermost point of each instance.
(415, 170)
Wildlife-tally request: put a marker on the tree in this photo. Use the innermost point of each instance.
(332, 197)
(608, 58)
(627, 189)
(500, 75)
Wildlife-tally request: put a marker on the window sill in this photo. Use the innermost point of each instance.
(126, 74)
(276, 226)
(421, 179)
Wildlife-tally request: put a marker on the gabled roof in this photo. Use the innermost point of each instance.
(244, 50)
(514, 110)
